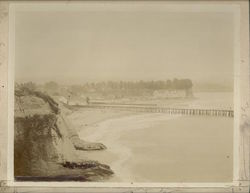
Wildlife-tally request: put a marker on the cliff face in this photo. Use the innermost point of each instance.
(43, 148)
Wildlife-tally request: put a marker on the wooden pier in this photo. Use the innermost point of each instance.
(167, 110)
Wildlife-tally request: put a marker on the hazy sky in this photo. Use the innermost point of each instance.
(80, 46)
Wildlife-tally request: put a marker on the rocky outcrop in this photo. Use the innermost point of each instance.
(78, 143)
(45, 145)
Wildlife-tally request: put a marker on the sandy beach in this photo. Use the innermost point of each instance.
(155, 147)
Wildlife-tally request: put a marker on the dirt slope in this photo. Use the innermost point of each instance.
(45, 142)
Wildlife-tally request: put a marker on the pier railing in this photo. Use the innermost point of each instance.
(167, 110)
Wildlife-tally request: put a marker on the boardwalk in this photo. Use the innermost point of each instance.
(171, 111)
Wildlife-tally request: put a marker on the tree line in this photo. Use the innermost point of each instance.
(175, 84)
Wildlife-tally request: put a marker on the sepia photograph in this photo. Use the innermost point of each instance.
(124, 92)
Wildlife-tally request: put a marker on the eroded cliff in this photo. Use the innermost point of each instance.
(46, 142)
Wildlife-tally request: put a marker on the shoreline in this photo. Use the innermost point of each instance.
(91, 131)
(130, 140)
(106, 132)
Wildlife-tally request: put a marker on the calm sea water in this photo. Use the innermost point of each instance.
(217, 100)
(155, 147)
(161, 148)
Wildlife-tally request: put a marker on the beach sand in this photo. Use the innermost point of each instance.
(155, 147)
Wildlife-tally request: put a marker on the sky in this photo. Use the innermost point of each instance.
(81, 46)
